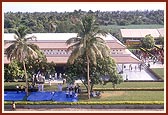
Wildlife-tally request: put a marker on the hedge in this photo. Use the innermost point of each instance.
(87, 103)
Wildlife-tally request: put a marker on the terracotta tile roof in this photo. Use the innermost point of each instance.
(63, 60)
(60, 44)
(58, 60)
(125, 60)
(115, 45)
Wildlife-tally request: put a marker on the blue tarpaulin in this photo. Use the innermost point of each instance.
(40, 96)
(14, 96)
(59, 96)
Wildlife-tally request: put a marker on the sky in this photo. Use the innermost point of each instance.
(84, 6)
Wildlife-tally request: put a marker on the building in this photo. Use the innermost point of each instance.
(133, 36)
(54, 47)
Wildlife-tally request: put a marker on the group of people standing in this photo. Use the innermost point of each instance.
(20, 88)
(72, 91)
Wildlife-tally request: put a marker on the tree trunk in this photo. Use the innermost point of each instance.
(88, 77)
(26, 78)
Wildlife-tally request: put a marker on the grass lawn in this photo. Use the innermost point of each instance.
(159, 71)
(53, 87)
(134, 85)
(127, 96)
(116, 27)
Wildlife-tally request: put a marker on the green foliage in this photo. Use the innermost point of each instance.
(148, 42)
(33, 65)
(88, 44)
(101, 73)
(63, 22)
(161, 40)
(14, 70)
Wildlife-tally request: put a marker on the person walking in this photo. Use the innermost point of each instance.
(13, 106)
(17, 88)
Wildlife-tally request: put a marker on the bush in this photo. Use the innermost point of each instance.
(87, 103)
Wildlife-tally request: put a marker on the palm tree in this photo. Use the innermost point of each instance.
(88, 43)
(20, 49)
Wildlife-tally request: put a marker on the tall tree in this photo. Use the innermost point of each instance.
(101, 73)
(148, 42)
(88, 43)
(20, 49)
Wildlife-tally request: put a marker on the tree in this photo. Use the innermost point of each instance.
(101, 73)
(148, 42)
(20, 49)
(13, 71)
(88, 43)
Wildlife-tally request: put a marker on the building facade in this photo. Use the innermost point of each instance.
(54, 46)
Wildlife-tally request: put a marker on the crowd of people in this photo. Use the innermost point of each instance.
(155, 54)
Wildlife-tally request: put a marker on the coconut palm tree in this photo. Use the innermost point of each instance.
(20, 49)
(88, 43)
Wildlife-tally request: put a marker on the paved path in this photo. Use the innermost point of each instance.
(136, 74)
(86, 110)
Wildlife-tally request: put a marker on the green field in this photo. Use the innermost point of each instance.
(159, 72)
(53, 87)
(127, 96)
(116, 27)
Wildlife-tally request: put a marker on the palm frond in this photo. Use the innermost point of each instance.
(32, 38)
(97, 51)
(92, 56)
(75, 54)
(72, 40)
(73, 46)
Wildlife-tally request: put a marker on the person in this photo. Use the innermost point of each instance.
(50, 82)
(33, 80)
(56, 76)
(21, 88)
(50, 77)
(70, 91)
(93, 94)
(98, 93)
(75, 89)
(64, 81)
(126, 77)
(135, 68)
(39, 87)
(130, 67)
(42, 87)
(140, 67)
(13, 106)
(17, 88)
